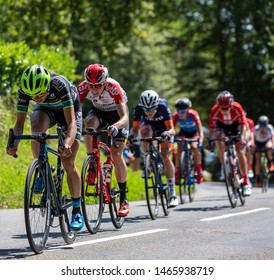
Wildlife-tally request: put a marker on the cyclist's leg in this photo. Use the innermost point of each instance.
(198, 161)
(269, 153)
(169, 171)
(40, 122)
(91, 120)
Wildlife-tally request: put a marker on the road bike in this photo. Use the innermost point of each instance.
(264, 173)
(98, 188)
(157, 191)
(52, 200)
(187, 171)
(232, 172)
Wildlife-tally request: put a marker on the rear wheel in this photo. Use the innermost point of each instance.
(37, 207)
(114, 206)
(66, 204)
(92, 195)
(152, 191)
(230, 187)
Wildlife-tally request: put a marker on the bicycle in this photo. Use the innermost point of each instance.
(156, 190)
(42, 206)
(187, 171)
(97, 190)
(232, 172)
(264, 174)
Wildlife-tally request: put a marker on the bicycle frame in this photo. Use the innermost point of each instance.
(100, 192)
(41, 207)
(154, 169)
(187, 169)
(232, 172)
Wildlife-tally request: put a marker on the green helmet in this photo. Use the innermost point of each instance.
(35, 80)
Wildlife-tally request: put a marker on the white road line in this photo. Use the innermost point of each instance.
(235, 214)
(107, 239)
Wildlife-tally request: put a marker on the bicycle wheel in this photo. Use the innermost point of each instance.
(240, 190)
(230, 187)
(114, 206)
(92, 195)
(165, 201)
(191, 179)
(163, 190)
(37, 207)
(265, 174)
(66, 204)
(152, 191)
(182, 182)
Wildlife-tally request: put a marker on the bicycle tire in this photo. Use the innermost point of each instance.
(264, 174)
(163, 190)
(92, 196)
(65, 203)
(151, 189)
(230, 187)
(37, 208)
(114, 206)
(240, 190)
(191, 184)
(182, 181)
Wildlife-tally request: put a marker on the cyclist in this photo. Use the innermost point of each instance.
(108, 107)
(152, 117)
(188, 120)
(227, 118)
(57, 103)
(264, 139)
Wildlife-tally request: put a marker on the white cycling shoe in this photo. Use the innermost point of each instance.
(247, 190)
(173, 201)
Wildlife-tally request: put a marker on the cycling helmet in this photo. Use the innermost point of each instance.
(183, 103)
(149, 99)
(224, 99)
(35, 80)
(96, 74)
(263, 120)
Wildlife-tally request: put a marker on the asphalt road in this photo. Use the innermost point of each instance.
(206, 229)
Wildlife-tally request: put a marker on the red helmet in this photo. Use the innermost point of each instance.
(96, 74)
(224, 99)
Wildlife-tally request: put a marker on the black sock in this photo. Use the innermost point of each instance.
(122, 187)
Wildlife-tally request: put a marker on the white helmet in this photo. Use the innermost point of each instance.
(149, 99)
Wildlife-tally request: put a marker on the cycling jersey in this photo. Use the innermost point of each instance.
(263, 134)
(160, 120)
(233, 117)
(189, 125)
(113, 94)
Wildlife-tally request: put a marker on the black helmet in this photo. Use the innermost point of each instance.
(183, 103)
(263, 120)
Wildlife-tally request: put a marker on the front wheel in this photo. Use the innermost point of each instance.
(191, 180)
(92, 195)
(152, 191)
(182, 181)
(37, 206)
(230, 187)
(264, 174)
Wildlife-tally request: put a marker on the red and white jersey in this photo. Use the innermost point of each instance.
(233, 115)
(113, 94)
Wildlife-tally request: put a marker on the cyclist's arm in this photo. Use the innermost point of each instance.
(122, 111)
(200, 132)
(71, 130)
(18, 129)
(170, 127)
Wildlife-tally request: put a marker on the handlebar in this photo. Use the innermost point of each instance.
(41, 138)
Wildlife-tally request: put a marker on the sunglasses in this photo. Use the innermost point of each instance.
(40, 94)
(225, 108)
(152, 109)
(94, 85)
(180, 111)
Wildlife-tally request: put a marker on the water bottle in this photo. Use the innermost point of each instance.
(107, 167)
(54, 175)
